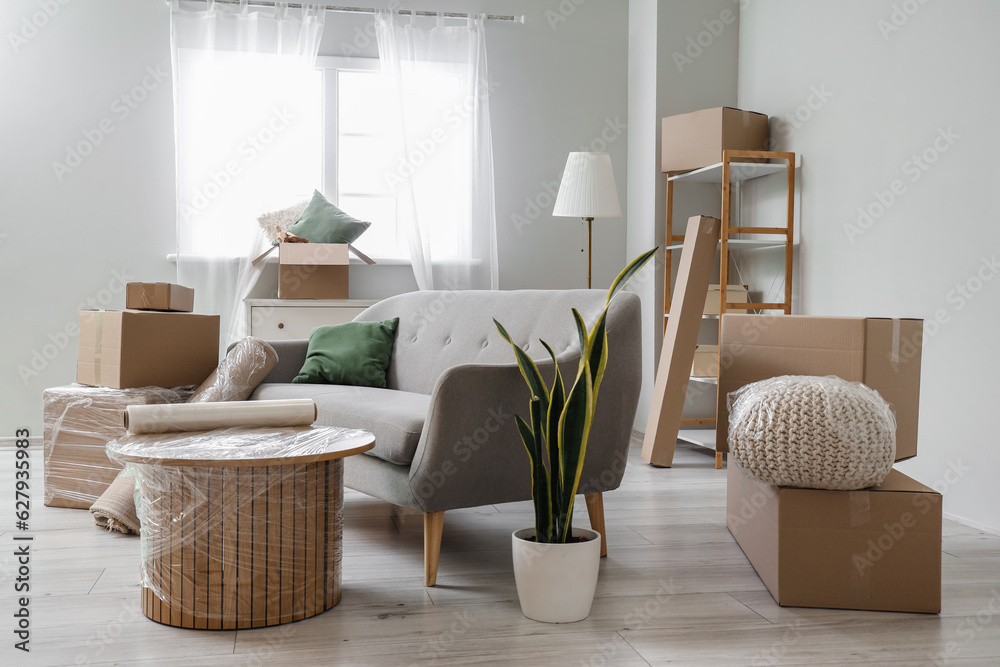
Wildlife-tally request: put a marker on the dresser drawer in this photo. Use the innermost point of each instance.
(292, 322)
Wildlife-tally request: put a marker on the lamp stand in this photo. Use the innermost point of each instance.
(590, 245)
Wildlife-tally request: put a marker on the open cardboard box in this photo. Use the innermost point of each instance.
(315, 270)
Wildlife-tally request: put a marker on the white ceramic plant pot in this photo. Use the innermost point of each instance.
(556, 582)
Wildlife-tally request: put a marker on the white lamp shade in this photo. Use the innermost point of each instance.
(588, 188)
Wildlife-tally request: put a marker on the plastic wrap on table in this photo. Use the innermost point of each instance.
(233, 535)
(78, 422)
(812, 432)
(144, 419)
(245, 367)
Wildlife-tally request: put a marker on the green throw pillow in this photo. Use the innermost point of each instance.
(355, 353)
(322, 222)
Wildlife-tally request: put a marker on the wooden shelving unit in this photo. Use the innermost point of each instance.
(734, 169)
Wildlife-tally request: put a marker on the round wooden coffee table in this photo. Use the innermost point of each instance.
(241, 527)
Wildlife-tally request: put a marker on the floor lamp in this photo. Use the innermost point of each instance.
(588, 191)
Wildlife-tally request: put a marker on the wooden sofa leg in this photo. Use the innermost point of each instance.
(595, 508)
(433, 525)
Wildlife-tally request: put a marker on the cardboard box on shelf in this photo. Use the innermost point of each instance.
(135, 348)
(695, 140)
(879, 352)
(159, 296)
(313, 271)
(706, 361)
(734, 294)
(877, 549)
(78, 422)
(680, 338)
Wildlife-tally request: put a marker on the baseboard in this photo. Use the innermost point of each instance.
(972, 524)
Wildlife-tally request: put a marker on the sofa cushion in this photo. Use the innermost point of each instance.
(395, 417)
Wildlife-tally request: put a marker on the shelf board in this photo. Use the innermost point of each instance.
(703, 437)
(706, 380)
(738, 172)
(756, 243)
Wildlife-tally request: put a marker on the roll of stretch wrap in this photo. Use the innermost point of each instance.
(140, 419)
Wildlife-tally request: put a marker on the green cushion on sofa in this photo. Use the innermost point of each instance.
(322, 222)
(355, 353)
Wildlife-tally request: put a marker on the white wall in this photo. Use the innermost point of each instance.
(671, 73)
(886, 88)
(562, 85)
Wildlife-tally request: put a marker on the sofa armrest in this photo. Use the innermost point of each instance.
(470, 452)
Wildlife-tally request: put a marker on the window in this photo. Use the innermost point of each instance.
(362, 163)
(357, 147)
(239, 116)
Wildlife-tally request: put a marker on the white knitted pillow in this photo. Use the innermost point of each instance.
(812, 432)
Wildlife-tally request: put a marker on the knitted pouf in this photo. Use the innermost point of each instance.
(812, 432)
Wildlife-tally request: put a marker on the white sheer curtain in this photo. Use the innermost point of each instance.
(247, 131)
(444, 179)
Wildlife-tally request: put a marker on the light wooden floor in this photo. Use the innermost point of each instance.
(675, 589)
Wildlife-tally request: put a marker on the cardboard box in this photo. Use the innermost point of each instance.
(706, 361)
(159, 296)
(734, 294)
(695, 140)
(135, 348)
(878, 549)
(881, 353)
(680, 338)
(313, 271)
(78, 422)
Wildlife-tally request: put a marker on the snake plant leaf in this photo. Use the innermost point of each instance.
(581, 331)
(629, 271)
(557, 400)
(598, 345)
(574, 431)
(529, 370)
(540, 490)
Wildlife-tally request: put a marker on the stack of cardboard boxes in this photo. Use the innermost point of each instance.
(127, 357)
(874, 549)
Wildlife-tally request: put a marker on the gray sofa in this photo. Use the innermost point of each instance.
(444, 428)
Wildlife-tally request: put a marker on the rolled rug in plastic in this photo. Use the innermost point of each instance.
(142, 419)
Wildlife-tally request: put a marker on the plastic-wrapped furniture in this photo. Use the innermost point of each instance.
(445, 435)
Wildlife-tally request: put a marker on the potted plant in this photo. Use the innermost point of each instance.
(555, 566)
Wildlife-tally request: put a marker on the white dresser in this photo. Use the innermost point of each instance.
(289, 319)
